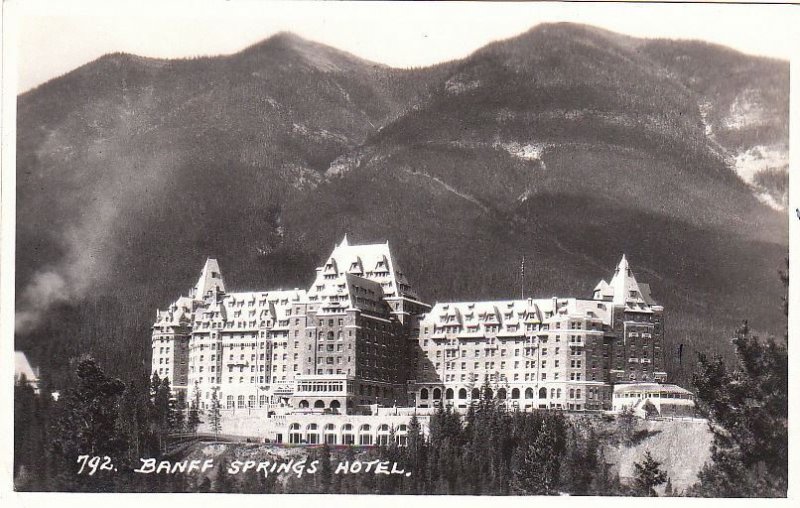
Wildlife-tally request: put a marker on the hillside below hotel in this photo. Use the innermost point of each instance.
(360, 346)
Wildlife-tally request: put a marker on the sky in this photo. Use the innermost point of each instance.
(53, 38)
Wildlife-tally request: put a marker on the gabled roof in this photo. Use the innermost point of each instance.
(371, 261)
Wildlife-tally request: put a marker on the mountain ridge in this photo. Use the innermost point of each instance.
(131, 171)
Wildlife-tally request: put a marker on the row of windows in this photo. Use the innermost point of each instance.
(575, 376)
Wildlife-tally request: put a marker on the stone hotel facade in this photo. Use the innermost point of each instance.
(360, 338)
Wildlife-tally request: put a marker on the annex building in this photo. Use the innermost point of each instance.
(359, 339)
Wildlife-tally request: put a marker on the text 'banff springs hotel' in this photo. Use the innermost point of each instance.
(361, 337)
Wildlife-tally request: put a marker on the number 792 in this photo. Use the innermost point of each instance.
(95, 464)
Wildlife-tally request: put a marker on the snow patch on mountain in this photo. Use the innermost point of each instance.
(760, 157)
(526, 152)
(746, 110)
(457, 85)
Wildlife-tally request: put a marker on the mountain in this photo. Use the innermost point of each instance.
(567, 145)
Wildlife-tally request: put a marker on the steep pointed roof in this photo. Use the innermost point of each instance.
(371, 261)
(210, 278)
(626, 289)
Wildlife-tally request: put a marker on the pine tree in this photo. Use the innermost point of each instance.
(179, 413)
(195, 412)
(537, 470)
(161, 411)
(668, 491)
(215, 416)
(747, 408)
(135, 414)
(326, 473)
(648, 475)
(85, 423)
(605, 482)
(225, 483)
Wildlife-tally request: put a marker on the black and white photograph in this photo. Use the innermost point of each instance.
(393, 248)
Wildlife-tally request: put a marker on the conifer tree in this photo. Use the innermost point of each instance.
(161, 411)
(195, 412)
(648, 474)
(179, 413)
(85, 424)
(215, 417)
(537, 471)
(747, 407)
(225, 483)
(668, 491)
(605, 482)
(326, 473)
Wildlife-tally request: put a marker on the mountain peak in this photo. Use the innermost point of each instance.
(323, 57)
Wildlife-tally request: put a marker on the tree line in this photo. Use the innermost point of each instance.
(97, 415)
(487, 451)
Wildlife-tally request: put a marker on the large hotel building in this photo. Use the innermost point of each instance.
(360, 337)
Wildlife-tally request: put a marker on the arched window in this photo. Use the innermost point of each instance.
(437, 393)
(578, 393)
(229, 401)
(448, 394)
(303, 404)
(330, 335)
(476, 393)
(571, 393)
(240, 401)
(515, 393)
(262, 400)
(319, 404)
(335, 404)
(542, 393)
(558, 393)
(295, 437)
(347, 434)
(528, 393)
(383, 434)
(312, 434)
(501, 394)
(365, 435)
(423, 394)
(462, 393)
(329, 434)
